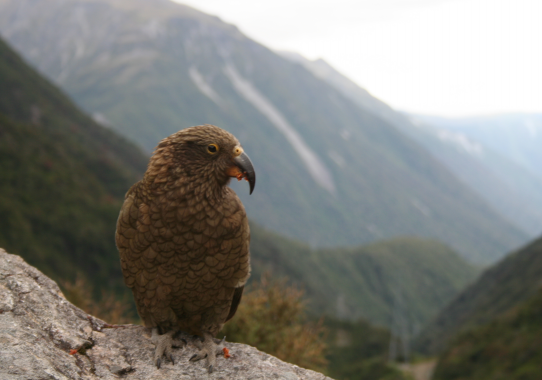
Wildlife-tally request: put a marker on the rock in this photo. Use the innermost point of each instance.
(43, 336)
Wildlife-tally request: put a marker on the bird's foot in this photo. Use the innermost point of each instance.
(209, 349)
(164, 344)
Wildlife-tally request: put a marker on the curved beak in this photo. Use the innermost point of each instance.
(246, 170)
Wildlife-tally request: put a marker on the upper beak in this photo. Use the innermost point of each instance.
(247, 170)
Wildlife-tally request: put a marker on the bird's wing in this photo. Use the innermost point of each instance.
(238, 293)
(125, 234)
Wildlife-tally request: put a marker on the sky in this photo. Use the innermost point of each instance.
(440, 57)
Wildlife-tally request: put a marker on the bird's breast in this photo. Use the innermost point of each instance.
(193, 222)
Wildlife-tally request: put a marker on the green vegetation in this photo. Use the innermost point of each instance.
(498, 290)
(143, 81)
(508, 347)
(62, 179)
(419, 276)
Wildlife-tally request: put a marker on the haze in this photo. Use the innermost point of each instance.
(450, 58)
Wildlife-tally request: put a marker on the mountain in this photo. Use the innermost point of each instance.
(513, 190)
(508, 347)
(497, 291)
(493, 170)
(323, 70)
(405, 277)
(329, 172)
(62, 183)
(62, 179)
(498, 156)
(518, 136)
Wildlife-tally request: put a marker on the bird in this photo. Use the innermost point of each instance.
(183, 239)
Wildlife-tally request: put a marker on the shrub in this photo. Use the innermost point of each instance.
(272, 318)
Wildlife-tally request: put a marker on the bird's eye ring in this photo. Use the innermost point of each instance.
(212, 148)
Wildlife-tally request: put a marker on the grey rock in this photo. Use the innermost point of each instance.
(43, 336)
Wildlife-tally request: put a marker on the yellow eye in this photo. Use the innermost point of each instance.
(212, 148)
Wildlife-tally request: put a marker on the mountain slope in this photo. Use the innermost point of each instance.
(328, 172)
(407, 277)
(498, 290)
(62, 178)
(512, 189)
(506, 348)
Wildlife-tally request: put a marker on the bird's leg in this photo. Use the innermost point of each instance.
(208, 349)
(164, 344)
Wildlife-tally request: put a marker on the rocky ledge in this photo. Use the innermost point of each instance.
(43, 336)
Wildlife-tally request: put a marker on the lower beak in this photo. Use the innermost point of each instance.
(246, 170)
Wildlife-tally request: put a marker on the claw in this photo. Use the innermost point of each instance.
(208, 349)
(164, 344)
(197, 357)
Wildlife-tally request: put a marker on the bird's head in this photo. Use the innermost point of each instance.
(204, 154)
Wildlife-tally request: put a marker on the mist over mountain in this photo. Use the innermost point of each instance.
(515, 136)
(509, 186)
(490, 169)
(329, 172)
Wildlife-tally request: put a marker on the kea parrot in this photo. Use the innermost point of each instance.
(183, 239)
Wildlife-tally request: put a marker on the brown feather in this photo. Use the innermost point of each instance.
(183, 235)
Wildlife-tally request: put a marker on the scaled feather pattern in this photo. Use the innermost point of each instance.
(183, 234)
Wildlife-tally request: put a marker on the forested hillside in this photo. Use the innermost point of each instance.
(406, 277)
(507, 347)
(498, 290)
(62, 179)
